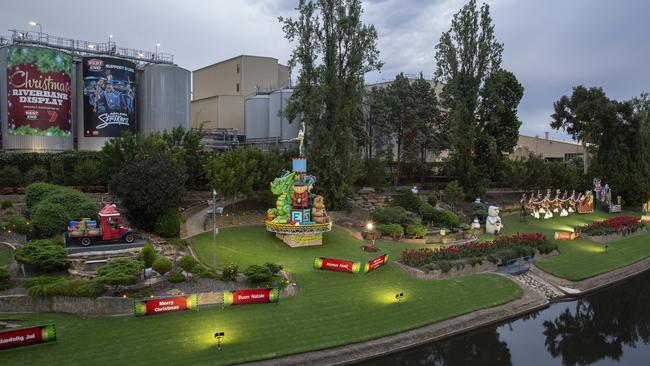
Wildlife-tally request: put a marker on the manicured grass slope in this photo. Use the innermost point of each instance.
(5, 257)
(581, 258)
(331, 309)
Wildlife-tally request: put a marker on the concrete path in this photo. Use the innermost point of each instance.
(194, 223)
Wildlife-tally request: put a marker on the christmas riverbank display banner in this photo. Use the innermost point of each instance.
(165, 305)
(375, 263)
(39, 93)
(109, 96)
(26, 336)
(251, 296)
(339, 265)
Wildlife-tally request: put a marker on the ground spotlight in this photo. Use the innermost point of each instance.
(399, 297)
(219, 336)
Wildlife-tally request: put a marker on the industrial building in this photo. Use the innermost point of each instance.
(547, 148)
(219, 90)
(61, 94)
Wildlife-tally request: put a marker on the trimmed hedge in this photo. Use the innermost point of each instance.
(417, 231)
(162, 265)
(394, 230)
(390, 215)
(56, 164)
(42, 254)
(45, 286)
(10, 176)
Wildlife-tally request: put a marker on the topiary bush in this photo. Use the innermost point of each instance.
(187, 263)
(176, 277)
(162, 265)
(257, 274)
(49, 219)
(396, 231)
(229, 272)
(43, 255)
(168, 224)
(389, 215)
(10, 176)
(36, 174)
(417, 231)
(36, 192)
(52, 207)
(148, 255)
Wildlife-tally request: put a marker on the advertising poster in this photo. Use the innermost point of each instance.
(375, 263)
(109, 96)
(39, 93)
(165, 305)
(26, 336)
(251, 296)
(338, 265)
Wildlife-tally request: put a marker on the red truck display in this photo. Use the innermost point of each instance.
(87, 231)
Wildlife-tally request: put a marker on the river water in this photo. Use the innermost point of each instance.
(608, 327)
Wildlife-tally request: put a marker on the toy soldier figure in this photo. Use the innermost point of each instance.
(300, 195)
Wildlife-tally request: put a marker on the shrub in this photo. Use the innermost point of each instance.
(448, 218)
(179, 243)
(52, 207)
(42, 280)
(417, 231)
(257, 274)
(389, 215)
(77, 205)
(5, 279)
(168, 224)
(206, 272)
(229, 272)
(433, 198)
(10, 176)
(406, 199)
(43, 255)
(619, 225)
(445, 266)
(473, 261)
(50, 219)
(428, 212)
(36, 192)
(547, 248)
(148, 255)
(187, 263)
(86, 173)
(18, 224)
(162, 265)
(120, 272)
(36, 174)
(480, 210)
(176, 277)
(396, 231)
(63, 286)
(6, 204)
(273, 267)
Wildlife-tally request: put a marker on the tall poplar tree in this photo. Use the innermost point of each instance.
(334, 50)
(467, 55)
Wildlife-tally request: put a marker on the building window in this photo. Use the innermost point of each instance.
(238, 68)
(237, 87)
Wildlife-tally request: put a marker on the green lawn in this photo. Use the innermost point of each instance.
(331, 309)
(5, 257)
(581, 258)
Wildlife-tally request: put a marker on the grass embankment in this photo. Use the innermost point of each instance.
(331, 309)
(582, 258)
(5, 257)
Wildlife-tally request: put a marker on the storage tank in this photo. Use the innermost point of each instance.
(279, 126)
(256, 116)
(164, 98)
(106, 92)
(36, 98)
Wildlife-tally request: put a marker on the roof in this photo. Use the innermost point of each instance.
(109, 210)
(236, 57)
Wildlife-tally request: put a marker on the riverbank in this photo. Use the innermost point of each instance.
(356, 352)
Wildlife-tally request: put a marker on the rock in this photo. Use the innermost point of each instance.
(366, 190)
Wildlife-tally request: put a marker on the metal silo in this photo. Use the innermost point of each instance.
(164, 98)
(37, 98)
(256, 116)
(279, 126)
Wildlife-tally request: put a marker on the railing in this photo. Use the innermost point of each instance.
(84, 48)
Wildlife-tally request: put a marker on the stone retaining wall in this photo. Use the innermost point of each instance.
(614, 237)
(454, 272)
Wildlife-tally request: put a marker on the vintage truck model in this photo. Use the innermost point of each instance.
(87, 231)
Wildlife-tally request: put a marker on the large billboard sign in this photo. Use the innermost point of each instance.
(39, 93)
(26, 336)
(375, 263)
(165, 305)
(339, 265)
(251, 296)
(109, 96)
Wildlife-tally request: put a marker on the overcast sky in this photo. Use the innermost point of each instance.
(550, 45)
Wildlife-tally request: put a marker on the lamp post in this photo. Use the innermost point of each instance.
(40, 28)
(214, 228)
(110, 40)
(157, 45)
(369, 227)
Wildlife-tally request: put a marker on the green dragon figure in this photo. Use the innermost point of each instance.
(283, 188)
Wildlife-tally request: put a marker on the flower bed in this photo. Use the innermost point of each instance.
(501, 249)
(621, 225)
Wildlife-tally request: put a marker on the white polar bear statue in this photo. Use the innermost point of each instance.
(493, 223)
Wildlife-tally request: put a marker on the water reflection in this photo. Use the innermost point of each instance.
(609, 327)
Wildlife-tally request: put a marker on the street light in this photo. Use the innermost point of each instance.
(40, 28)
(157, 45)
(219, 336)
(369, 227)
(214, 228)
